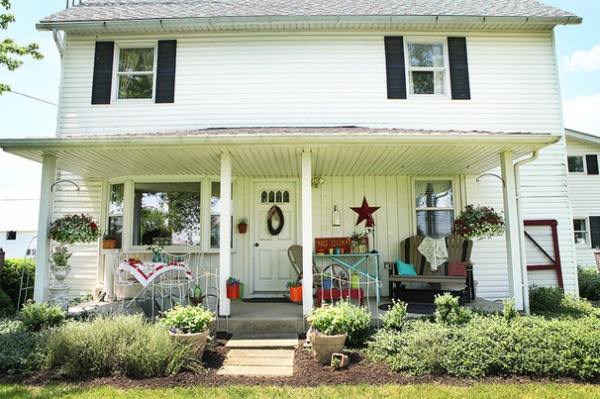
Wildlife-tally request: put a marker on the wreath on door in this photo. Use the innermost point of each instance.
(275, 213)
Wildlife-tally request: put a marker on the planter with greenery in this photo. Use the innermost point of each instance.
(243, 225)
(295, 287)
(478, 222)
(233, 288)
(332, 325)
(189, 325)
(109, 240)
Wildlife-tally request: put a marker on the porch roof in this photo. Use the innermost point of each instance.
(276, 152)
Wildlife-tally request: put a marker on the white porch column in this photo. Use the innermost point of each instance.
(42, 268)
(225, 239)
(513, 229)
(307, 241)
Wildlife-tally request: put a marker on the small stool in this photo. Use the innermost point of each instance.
(336, 293)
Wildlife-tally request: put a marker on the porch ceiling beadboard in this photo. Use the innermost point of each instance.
(276, 152)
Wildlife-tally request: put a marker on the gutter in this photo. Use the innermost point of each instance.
(220, 23)
(59, 41)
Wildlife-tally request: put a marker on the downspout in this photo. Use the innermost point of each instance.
(58, 40)
(524, 284)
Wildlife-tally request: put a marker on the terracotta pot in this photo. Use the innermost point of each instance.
(109, 244)
(242, 228)
(233, 292)
(296, 294)
(323, 346)
(197, 341)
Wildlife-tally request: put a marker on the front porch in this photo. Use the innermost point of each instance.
(268, 318)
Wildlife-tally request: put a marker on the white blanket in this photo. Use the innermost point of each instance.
(435, 251)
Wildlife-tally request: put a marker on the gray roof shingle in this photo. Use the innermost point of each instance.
(123, 10)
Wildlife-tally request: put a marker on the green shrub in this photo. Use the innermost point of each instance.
(395, 317)
(589, 283)
(573, 306)
(10, 281)
(342, 317)
(509, 312)
(448, 311)
(490, 346)
(37, 316)
(18, 348)
(7, 309)
(545, 299)
(124, 345)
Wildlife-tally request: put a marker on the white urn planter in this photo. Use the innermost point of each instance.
(196, 340)
(323, 346)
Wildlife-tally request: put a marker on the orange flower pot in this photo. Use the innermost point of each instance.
(233, 292)
(296, 294)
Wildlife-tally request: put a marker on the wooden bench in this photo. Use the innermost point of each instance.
(458, 251)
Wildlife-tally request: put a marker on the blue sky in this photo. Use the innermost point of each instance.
(578, 54)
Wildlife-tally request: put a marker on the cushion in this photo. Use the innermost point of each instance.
(457, 269)
(405, 269)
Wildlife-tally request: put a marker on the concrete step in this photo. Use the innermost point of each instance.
(264, 325)
(263, 341)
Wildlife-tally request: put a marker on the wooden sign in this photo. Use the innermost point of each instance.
(322, 245)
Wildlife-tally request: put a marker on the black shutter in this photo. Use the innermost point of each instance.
(103, 65)
(394, 65)
(595, 230)
(165, 73)
(591, 161)
(459, 68)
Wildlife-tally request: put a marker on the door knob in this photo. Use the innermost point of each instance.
(256, 244)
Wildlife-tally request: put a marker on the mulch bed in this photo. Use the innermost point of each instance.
(307, 373)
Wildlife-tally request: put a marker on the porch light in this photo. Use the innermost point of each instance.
(317, 181)
(336, 217)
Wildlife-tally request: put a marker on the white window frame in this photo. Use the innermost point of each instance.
(446, 69)
(117, 74)
(583, 161)
(586, 232)
(414, 206)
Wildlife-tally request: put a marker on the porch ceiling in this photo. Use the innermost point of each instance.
(275, 152)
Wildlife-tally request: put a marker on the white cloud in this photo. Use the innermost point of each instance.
(588, 61)
(583, 114)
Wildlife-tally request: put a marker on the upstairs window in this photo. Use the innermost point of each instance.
(579, 164)
(135, 74)
(576, 164)
(580, 230)
(426, 68)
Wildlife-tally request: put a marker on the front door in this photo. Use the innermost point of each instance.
(273, 199)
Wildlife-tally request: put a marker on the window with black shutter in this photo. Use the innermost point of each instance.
(595, 230)
(134, 72)
(419, 67)
(591, 163)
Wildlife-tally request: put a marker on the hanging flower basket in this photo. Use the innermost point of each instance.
(478, 222)
(71, 229)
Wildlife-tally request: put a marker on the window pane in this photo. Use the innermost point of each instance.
(434, 194)
(426, 55)
(422, 82)
(435, 223)
(115, 212)
(575, 164)
(579, 225)
(169, 212)
(580, 238)
(136, 60)
(135, 86)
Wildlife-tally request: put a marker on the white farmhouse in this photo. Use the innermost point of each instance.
(184, 116)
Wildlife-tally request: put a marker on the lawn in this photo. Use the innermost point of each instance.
(429, 391)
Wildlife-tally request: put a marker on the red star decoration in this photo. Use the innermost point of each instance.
(365, 212)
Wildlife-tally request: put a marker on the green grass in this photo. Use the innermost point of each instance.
(430, 391)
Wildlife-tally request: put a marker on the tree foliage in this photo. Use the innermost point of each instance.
(10, 51)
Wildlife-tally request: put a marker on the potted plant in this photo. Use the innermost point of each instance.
(295, 287)
(69, 229)
(157, 250)
(243, 225)
(189, 325)
(233, 288)
(109, 240)
(358, 242)
(331, 325)
(478, 222)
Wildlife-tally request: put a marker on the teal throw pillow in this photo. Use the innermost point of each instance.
(405, 269)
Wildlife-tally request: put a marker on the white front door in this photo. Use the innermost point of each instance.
(271, 266)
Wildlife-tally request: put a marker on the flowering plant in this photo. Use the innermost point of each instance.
(71, 229)
(187, 319)
(60, 256)
(359, 238)
(155, 248)
(478, 222)
(233, 282)
(294, 283)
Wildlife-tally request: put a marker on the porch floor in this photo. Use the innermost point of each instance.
(267, 318)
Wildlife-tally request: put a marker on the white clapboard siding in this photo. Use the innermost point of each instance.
(328, 78)
(585, 195)
(85, 260)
